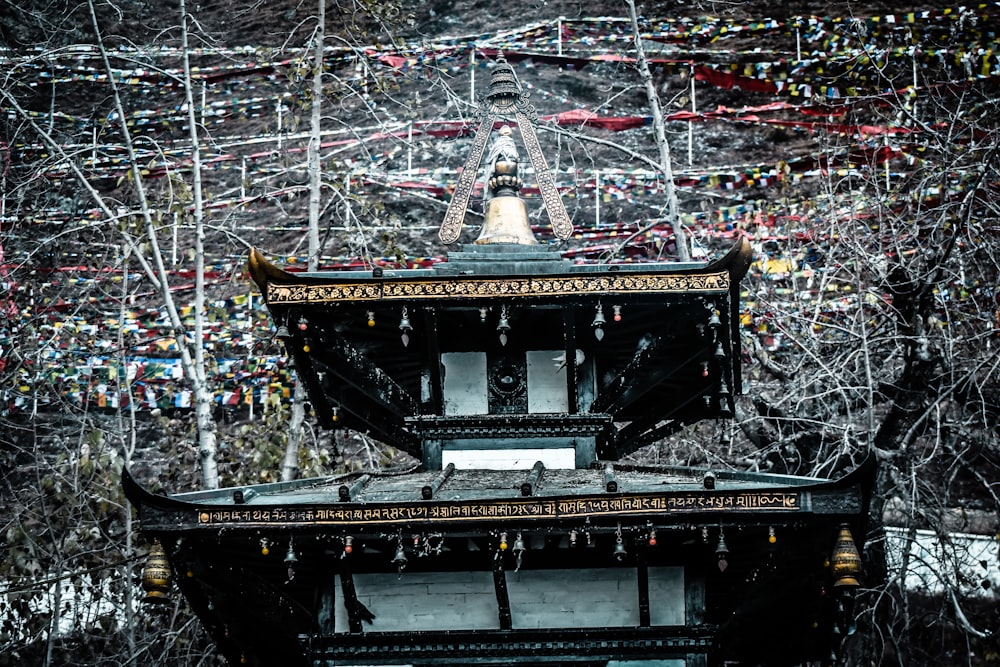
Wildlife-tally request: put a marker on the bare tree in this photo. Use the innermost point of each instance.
(666, 166)
(296, 422)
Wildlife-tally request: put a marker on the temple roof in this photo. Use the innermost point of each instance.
(657, 344)
(606, 493)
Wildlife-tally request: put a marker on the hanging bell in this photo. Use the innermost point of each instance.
(519, 547)
(720, 353)
(290, 557)
(503, 326)
(405, 327)
(156, 575)
(714, 321)
(620, 552)
(722, 552)
(282, 333)
(724, 396)
(400, 560)
(598, 323)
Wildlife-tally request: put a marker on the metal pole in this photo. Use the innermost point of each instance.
(280, 107)
(597, 197)
(559, 35)
(409, 150)
(694, 109)
(250, 348)
(472, 75)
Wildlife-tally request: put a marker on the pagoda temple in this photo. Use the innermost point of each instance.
(520, 381)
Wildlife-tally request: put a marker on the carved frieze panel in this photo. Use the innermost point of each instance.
(449, 288)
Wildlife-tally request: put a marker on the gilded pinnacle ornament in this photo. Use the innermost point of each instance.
(504, 98)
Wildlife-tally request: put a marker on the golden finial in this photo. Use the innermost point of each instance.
(504, 97)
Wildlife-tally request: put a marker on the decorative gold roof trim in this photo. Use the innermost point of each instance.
(280, 286)
(464, 288)
(624, 506)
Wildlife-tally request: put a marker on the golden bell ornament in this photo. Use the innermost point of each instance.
(845, 563)
(506, 222)
(156, 575)
(506, 215)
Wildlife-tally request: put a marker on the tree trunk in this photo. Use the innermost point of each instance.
(207, 446)
(673, 215)
(290, 466)
(153, 265)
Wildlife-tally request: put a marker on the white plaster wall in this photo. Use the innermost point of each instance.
(465, 383)
(509, 459)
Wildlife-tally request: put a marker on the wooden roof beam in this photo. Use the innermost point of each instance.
(361, 411)
(355, 369)
(642, 375)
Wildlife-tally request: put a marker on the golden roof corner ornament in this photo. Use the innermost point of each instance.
(504, 99)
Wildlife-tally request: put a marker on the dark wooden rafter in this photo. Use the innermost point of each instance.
(610, 479)
(609, 399)
(530, 484)
(365, 416)
(628, 441)
(638, 432)
(642, 583)
(347, 492)
(356, 611)
(427, 491)
(379, 406)
(655, 425)
(307, 372)
(643, 374)
(326, 614)
(735, 370)
(694, 608)
(503, 597)
(358, 371)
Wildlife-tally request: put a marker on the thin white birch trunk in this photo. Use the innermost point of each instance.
(666, 168)
(203, 399)
(153, 265)
(290, 465)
